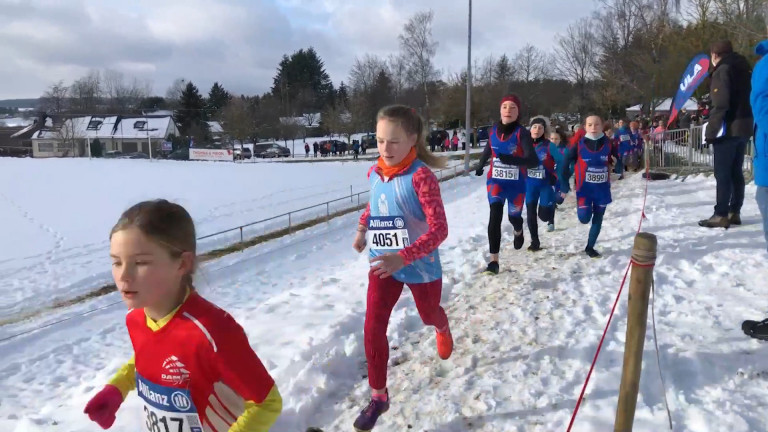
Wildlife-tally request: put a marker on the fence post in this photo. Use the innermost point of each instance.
(327, 211)
(690, 147)
(643, 259)
(241, 234)
(289, 222)
(351, 195)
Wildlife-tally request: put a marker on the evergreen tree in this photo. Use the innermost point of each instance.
(342, 95)
(217, 99)
(301, 83)
(191, 112)
(153, 103)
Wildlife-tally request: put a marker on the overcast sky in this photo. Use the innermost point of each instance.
(240, 42)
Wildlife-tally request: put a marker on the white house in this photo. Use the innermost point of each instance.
(115, 133)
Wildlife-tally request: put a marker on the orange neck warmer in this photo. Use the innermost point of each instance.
(389, 171)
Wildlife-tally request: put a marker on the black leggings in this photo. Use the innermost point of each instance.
(494, 226)
(546, 214)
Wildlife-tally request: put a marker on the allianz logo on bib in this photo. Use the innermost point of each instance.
(148, 394)
(384, 223)
(181, 401)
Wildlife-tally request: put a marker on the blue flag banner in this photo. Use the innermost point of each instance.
(694, 75)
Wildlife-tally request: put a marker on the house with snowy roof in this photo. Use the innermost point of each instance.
(126, 134)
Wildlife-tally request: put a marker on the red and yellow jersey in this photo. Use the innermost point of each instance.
(196, 371)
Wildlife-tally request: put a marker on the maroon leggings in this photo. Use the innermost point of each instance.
(382, 297)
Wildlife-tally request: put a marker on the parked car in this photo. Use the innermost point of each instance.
(180, 154)
(369, 140)
(113, 154)
(137, 155)
(270, 150)
(243, 153)
(482, 133)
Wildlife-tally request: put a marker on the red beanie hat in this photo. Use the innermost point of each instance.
(512, 98)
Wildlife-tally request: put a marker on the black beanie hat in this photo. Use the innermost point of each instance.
(539, 120)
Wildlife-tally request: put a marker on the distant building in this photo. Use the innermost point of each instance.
(216, 130)
(16, 135)
(127, 134)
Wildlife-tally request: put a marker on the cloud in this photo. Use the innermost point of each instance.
(240, 42)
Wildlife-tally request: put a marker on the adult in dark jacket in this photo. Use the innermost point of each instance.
(729, 129)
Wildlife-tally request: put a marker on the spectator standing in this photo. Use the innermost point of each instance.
(759, 101)
(729, 128)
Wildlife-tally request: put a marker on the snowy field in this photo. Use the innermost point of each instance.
(524, 340)
(55, 214)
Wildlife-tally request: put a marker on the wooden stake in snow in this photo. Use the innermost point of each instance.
(643, 260)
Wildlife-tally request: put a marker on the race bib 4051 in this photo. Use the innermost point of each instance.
(387, 232)
(536, 173)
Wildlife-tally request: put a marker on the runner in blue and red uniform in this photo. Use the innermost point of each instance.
(594, 156)
(510, 150)
(637, 144)
(558, 148)
(623, 137)
(540, 184)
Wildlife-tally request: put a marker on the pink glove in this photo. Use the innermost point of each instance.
(103, 407)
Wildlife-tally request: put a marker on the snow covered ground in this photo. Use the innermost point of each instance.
(55, 214)
(524, 340)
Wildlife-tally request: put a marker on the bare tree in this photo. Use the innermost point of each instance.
(699, 11)
(123, 95)
(85, 93)
(332, 120)
(398, 73)
(504, 71)
(238, 119)
(483, 73)
(68, 134)
(364, 72)
(574, 53)
(419, 50)
(54, 99)
(530, 63)
(173, 93)
(311, 119)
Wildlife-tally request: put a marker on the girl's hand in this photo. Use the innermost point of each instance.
(359, 244)
(387, 264)
(102, 408)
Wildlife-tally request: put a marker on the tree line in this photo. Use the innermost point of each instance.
(627, 52)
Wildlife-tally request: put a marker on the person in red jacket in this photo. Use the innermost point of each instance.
(192, 366)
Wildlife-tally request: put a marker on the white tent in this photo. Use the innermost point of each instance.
(666, 104)
(635, 110)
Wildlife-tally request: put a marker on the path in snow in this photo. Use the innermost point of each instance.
(524, 340)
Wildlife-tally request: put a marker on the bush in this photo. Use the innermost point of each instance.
(96, 149)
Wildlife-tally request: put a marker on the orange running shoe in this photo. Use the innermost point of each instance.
(444, 344)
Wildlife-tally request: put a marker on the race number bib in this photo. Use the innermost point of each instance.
(597, 177)
(504, 172)
(624, 137)
(537, 173)
(387, 232)
(166, 409)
